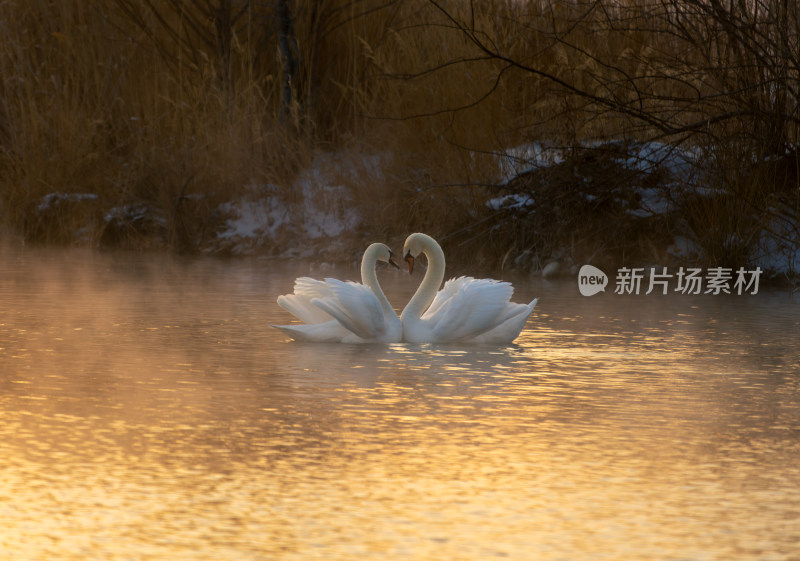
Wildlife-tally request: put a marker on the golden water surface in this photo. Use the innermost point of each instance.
(149, 412)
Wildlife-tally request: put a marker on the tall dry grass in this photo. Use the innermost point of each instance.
(174, 107)
(717, 79)
(129, 101)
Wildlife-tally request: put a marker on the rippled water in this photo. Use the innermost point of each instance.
(148, 412)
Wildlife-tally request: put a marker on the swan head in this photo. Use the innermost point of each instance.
(416, 244)
(381, 252)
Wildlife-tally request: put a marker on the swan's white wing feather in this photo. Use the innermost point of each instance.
(312, 288)
(299, 304)
(474, 308)
(355, 307)
(510, 328)
(450, 289)
(302, 308)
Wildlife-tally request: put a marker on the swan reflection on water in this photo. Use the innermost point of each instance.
(465, 310)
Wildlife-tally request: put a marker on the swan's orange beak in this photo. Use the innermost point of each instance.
(410, 260)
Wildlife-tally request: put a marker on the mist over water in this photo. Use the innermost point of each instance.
(149, 411)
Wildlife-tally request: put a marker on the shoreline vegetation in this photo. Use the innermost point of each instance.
(518, 133)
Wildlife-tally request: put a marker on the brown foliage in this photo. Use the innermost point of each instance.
(176, 107)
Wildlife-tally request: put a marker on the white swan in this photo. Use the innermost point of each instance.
(464, 310)
(344, 312)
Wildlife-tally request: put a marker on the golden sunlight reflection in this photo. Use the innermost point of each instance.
(149, 412)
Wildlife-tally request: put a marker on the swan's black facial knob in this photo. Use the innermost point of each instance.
(391, 261)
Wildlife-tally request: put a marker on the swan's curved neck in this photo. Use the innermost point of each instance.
(434, 276)
(370, 278)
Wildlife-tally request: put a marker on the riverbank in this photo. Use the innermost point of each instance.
(549, 211)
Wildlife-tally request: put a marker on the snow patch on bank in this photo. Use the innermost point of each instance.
(778, 247)
(679, 174)
(317, 205)
(52, 200)
(525, 158)
(514, 201)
